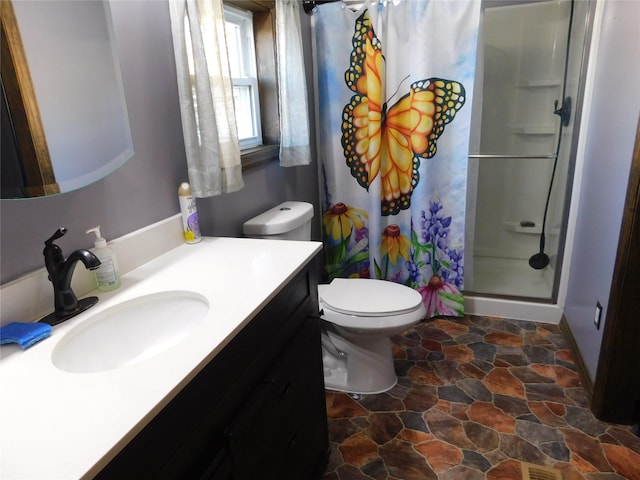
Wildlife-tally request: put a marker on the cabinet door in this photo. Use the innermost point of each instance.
(282, 427)
(220, 468)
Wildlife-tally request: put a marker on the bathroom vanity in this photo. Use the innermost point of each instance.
(256, 411)
(240, 397)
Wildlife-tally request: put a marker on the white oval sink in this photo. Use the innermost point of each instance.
(130, 332)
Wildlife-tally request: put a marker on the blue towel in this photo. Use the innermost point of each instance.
(24, 334)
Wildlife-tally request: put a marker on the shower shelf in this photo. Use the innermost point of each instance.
(540, 83)
(533, 129)
(515, 227)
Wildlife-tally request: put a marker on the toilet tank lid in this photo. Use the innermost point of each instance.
(280, 219)
(369, 297)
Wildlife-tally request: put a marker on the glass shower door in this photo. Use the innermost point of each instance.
(520, 131)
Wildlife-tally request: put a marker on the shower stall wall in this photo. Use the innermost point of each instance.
(530, 57)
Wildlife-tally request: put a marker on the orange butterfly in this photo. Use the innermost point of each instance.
(391, 141)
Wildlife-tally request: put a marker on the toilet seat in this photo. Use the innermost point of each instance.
(368, 297)
(367, 305)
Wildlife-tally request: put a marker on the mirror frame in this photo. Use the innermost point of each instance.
(19, 94)
(64, 113)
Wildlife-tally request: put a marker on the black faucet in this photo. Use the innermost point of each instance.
(60, 274)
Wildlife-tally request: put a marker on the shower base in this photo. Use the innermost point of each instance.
(510, 277)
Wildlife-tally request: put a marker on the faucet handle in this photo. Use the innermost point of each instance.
(58, 233)
(53, 256)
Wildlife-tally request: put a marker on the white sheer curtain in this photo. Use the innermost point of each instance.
(206, 97)
(292, 87)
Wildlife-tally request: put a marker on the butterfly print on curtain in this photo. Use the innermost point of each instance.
(391, 141)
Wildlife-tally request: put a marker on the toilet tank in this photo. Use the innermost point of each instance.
(287, 221)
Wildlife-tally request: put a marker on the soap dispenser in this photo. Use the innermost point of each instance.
(107, 274)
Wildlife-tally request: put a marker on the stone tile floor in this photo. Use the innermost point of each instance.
(476, 397)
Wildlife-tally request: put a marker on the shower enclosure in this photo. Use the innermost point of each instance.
(526, 111)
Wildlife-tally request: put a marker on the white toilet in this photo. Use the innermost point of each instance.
(359, 315)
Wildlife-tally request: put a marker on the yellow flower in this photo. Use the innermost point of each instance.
(340, 219)
(394, 244)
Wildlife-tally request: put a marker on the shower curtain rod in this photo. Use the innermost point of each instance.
(309, 5)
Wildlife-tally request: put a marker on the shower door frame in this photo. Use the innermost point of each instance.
(548, 308)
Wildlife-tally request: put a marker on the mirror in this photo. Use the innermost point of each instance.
(64, 117)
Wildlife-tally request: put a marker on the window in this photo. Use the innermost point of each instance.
(251, 35)
(242, 63)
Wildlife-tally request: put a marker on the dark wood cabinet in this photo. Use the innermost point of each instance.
(256, 411)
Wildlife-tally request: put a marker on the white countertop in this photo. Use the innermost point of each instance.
(59, 425)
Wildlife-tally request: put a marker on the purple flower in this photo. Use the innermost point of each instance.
(396, 277)
(414, 271)
(446, 262)
(435, 226)
(361, 233)
(434, 302)
(455, 273)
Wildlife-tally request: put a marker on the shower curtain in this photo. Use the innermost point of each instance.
(394, 82)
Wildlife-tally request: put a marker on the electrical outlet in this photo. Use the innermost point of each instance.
(598, 315)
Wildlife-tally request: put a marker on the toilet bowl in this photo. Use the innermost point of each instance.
(358, 315)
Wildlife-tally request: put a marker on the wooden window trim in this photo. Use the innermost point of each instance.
(260, 155)
(264, 36)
